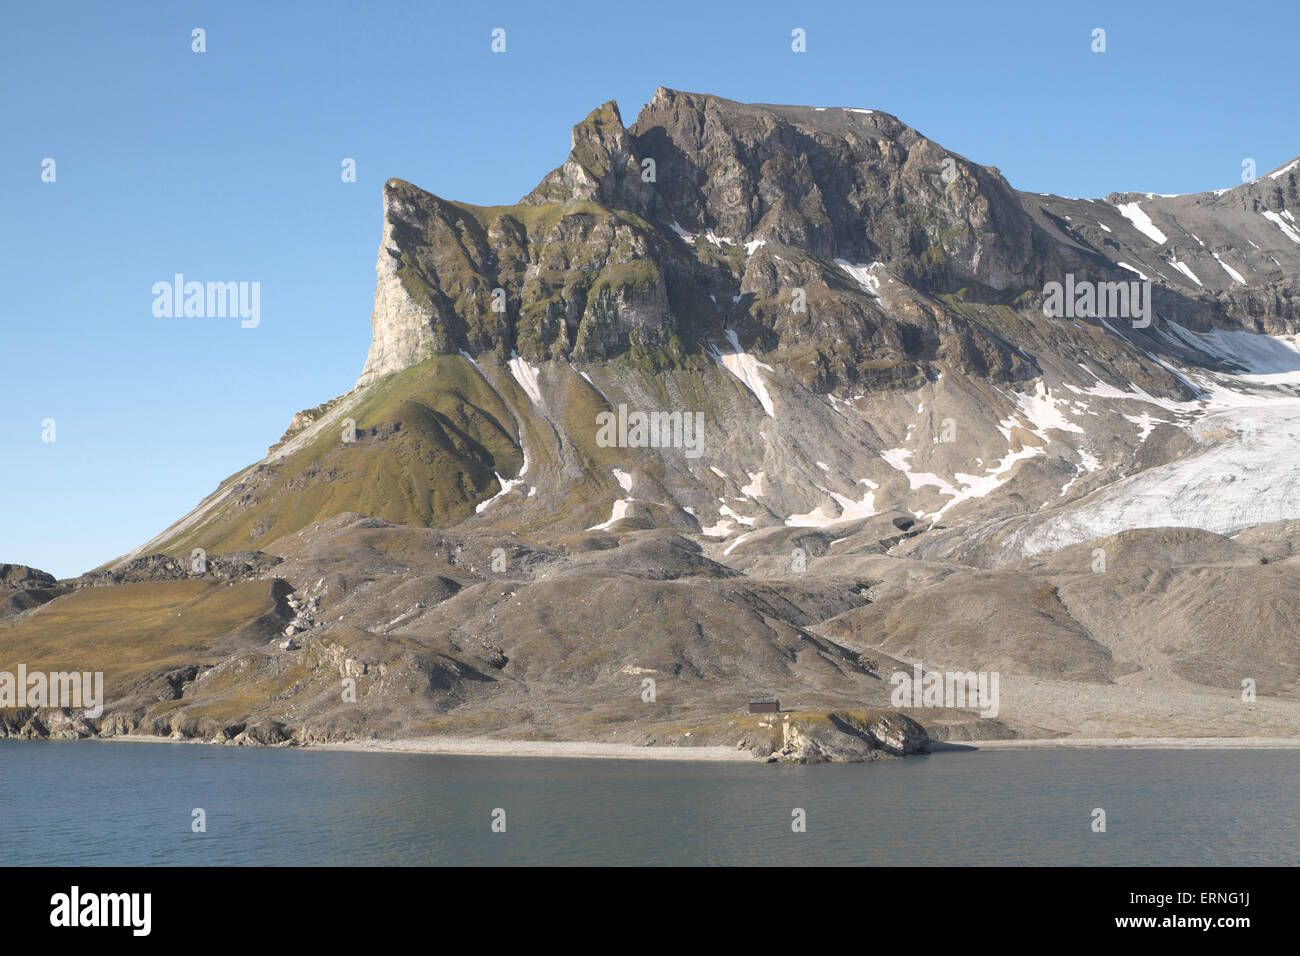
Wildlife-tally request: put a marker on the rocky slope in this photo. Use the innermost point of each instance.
(874, 448)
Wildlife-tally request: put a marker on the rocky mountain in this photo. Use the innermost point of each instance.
(749, 399)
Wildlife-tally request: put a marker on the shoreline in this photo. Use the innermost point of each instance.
(1122, 743)
(485, 747)
(495, 747)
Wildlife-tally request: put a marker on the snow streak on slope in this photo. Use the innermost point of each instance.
(1185, 270)
(1287, 228)
(746, 368)
(861, 274)
(1236, 276)
(507, 485)
(618, 513)
(1142, 222)
(526, 376)
(1285, 169)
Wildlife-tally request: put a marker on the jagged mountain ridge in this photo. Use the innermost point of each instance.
(826, 184)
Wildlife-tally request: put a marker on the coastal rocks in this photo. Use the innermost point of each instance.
(847, 737)
(45, 724)
(265, 733)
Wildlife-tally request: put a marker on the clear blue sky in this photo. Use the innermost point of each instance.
(225, 166)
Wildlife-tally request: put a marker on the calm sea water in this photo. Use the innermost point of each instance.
(131, 804)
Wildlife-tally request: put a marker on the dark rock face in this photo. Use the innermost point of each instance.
(23, 588)
(856, 185)
(604, 166)
(575, 278)
(161, 567)
(22, 577)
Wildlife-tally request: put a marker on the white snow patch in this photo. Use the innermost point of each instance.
(1264, 359)
(1042, 411)
(507, 485)
(719, 530)
(817, 518)
(1134, 213)
(1124, 265)
(850, 510)
(618, 513)
(897, 458)
(1285, 169)
(1236, 276)
(1185, 270)
(731, 547)
(1145, 422)
(1282, 224)
(730, 513)
(746, 368)
(755, 487)
(977, 486)
(623, 478)
(526, 376)
(861, 274)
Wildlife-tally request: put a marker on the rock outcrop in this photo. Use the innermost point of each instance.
(846, 737)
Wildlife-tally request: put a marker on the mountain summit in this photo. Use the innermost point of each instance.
(622, 245)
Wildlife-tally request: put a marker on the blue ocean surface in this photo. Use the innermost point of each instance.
(101, 803)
